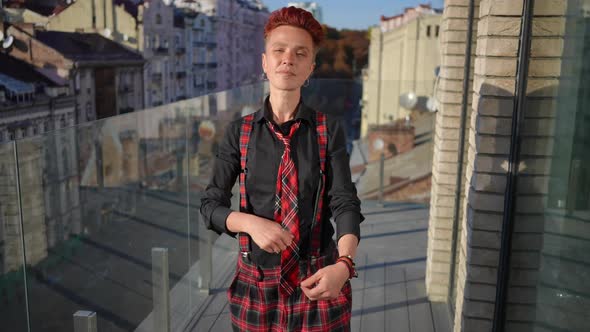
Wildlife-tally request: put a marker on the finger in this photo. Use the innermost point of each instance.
(311, 281)
(316, 292)
(285, 241)
(272, 249)
(325, 295)
(308, 294)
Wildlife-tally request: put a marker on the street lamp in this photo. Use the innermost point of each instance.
(378, 145)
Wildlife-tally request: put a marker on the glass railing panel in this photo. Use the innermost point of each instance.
(13, 311)
(116, 228)
(392, 136)
(109, 196)
(548, 287)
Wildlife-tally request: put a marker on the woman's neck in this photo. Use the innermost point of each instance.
(284, 105)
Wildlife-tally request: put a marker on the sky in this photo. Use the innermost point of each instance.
(357, 14)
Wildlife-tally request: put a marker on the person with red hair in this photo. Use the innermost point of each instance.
(294, 175)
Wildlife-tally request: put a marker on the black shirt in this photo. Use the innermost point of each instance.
(264, 156)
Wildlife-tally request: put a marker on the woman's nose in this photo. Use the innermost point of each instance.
(287, 58)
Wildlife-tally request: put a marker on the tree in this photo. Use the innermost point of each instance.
(343, 54)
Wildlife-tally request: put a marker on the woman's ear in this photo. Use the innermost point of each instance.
(264, 62)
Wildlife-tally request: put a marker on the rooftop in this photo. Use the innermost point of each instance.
(41, 7)
(22, 71)
(87, 46)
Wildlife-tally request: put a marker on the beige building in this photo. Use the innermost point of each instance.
(403, 56)
(88, 61)
(510, 211)
(40, 113)
(146, 27)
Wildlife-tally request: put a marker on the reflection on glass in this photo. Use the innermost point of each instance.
(100, 197)
(12, 286)
(548, 287)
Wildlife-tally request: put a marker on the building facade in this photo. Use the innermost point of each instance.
(239, 37)
(403, 57)
(30, 103)
(106, 77)
(40, 113)
(197, 68)
(509, 214)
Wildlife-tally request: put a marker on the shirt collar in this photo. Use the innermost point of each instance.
(303, 112)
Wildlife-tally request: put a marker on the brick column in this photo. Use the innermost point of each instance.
(494, 84)
(444, 172)
(488, 151)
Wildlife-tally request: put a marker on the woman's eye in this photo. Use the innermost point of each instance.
(279, 50)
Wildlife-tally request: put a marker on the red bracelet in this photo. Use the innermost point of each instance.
(349, 266)
(348, 258)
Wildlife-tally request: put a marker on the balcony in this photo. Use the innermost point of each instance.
(180, 50)
(124, 110)
(161, 50)
(141, 187)
(181, 75)
(211, 85)
(104, 216)
(212, 65)
(156, 77)
(126, 88)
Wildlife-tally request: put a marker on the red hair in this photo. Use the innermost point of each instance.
(296, 17)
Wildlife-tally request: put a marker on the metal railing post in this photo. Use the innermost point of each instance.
(205, 257)
(85, 321)
(160, 287)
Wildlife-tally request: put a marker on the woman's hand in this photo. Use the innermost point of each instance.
(326, 283)
(269, 235)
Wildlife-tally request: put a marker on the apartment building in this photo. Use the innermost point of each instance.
(403, 57)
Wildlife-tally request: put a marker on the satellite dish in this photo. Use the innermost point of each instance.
(107, 32)
(408, 100)
(431, 104)
(8, 41)
(378, 144)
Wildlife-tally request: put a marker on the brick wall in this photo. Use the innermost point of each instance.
(444, 171)
(488, 150)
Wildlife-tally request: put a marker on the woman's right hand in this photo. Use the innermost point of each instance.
(269, 235)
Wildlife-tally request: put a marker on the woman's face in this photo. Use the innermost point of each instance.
(289, 57)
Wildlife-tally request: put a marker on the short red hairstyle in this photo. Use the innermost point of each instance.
(296, 17)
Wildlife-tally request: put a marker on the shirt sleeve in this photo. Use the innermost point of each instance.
(216, 201)
(342, 196)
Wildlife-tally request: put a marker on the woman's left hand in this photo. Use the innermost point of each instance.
(326, 283)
